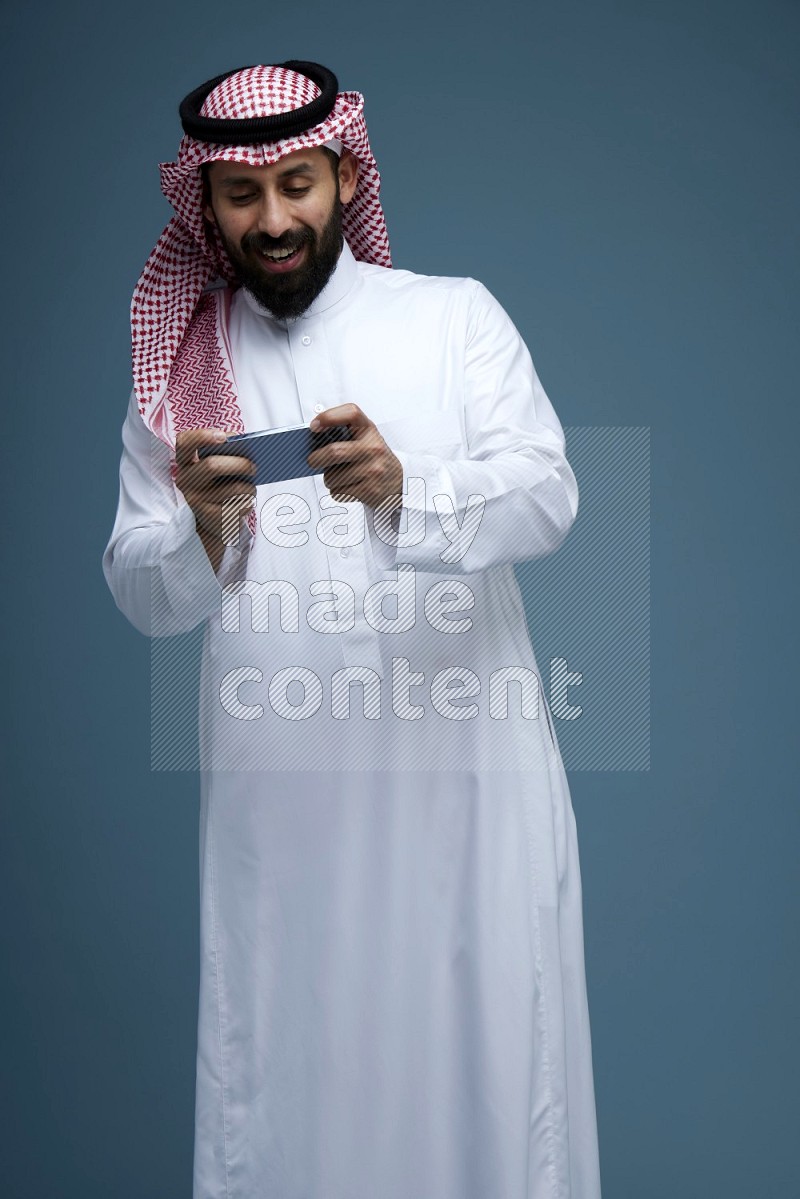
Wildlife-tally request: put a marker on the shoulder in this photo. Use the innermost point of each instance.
(393, 279)
(441, 293)
(458, 309)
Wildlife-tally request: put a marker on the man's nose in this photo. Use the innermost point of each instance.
(274, 217)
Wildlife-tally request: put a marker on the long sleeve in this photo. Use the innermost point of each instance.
(514, 497)
(155, 563)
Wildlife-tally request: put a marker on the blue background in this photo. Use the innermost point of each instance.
(623, 176)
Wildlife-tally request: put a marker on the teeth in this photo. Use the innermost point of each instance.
(278, 255)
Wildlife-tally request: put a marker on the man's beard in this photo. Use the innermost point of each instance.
(287, 296)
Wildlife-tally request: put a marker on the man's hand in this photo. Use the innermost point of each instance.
(362, 469)
(214, 488)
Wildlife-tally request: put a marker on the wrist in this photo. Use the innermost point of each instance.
(212, 544)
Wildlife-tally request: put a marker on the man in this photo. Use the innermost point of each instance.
(392, 984)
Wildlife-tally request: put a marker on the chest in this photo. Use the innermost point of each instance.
(402, 364)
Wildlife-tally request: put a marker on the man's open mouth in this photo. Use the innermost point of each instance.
(281, 260)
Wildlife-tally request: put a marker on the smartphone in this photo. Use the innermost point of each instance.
(279, 454)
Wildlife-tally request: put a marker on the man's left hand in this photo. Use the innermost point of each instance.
(363, 468)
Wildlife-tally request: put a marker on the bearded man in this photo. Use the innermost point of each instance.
(392, 984)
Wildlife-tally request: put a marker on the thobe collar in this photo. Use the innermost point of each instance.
(340, 283)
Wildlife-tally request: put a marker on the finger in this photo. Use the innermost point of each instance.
(188, 442)
(342, 414)
(338, 453)
(339, 478)
(223, 490)
(225, 466)
(346, 497)
(206, 472)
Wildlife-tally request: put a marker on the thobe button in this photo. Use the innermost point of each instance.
(306, 340)
(318, 408)
(345, 552)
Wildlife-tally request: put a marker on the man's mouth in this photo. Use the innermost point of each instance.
(278, 261)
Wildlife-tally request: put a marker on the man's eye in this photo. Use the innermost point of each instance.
(297, 191)
(245, 199)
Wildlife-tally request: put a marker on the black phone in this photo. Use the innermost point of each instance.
(279, 454)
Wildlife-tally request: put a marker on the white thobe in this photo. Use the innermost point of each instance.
(393, 1000)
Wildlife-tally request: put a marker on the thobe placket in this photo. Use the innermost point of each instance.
(316, 387)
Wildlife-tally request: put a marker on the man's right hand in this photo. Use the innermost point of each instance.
(214, 497)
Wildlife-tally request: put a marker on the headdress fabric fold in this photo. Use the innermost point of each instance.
(167, 298)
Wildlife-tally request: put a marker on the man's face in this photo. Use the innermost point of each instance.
(281, 225)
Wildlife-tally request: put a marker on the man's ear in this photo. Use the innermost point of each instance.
(348, 175)
(205, 176)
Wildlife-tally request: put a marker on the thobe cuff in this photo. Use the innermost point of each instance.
(189, 581)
